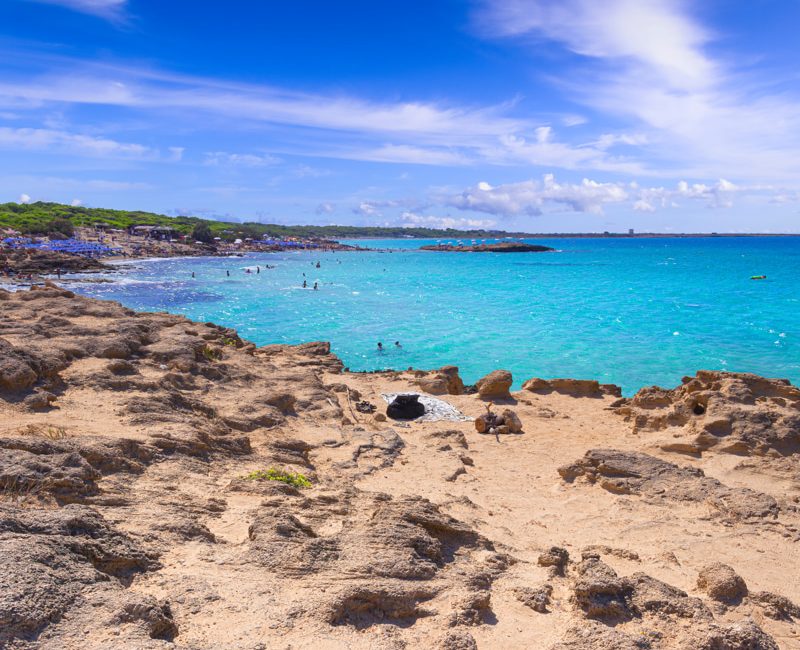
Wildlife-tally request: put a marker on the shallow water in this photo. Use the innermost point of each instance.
(633, 312)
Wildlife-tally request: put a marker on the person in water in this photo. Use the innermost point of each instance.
(192, 274)
(228, 273)
(317, 264)
(305, 284)
(397, 344)
(258, 270)
(380, 346)
(315, 286)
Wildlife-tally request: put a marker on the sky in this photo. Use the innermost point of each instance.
(531, 115)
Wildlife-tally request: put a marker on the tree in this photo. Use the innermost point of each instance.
(201, 232)
(59, 226)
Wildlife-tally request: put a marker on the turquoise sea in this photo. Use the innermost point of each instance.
(633, 312)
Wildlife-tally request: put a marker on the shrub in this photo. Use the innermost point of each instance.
(294, 479)
(201, 232)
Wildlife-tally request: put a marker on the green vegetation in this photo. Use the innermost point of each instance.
(211, 354)
(294, 479)
(41, 218)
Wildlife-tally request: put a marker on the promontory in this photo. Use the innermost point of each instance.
(502, 247)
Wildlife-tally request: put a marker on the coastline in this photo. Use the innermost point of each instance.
(136, 433)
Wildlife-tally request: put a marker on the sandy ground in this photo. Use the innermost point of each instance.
(228, 588)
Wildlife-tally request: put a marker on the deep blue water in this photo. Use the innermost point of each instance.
(633, 312)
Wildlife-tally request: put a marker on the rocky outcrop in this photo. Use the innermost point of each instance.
(445, 381)
(501, 247)
(571, 387)
(495, 385)
(735, 413)
(721, 583)
(397, 554)
(658, 481)
(48, 558)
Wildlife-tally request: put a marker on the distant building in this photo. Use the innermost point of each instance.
(163, 233)
(630, 231)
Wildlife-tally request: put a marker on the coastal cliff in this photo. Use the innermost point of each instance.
(136, 508)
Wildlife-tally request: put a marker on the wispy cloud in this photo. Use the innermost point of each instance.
(650, 61)
(78, 144)
(112, 10)
(224, 158)
(344, 127)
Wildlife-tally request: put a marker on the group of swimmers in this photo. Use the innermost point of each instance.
(381, 348)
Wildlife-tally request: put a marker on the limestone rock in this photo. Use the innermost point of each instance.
(556, 558)
(721, 583)
(623, 472)
(495, 385)
(572, 387)
(735, 413)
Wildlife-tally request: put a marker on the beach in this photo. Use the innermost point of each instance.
(132, 445)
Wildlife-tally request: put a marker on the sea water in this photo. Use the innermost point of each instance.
(633, 312)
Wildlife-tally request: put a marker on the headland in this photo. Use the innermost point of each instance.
(500, 247)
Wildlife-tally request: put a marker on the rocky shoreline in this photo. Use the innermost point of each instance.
(502, 247)
(136, 508)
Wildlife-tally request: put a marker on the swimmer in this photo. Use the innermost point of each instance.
(315, 286)
(305, 284)
(380, 346)
(317, 264)
(258, 269)
(192, 274)
(397, 344)
(228, 273)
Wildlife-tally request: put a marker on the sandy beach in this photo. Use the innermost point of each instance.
(665, 521)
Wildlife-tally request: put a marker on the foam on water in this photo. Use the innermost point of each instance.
(629, 311)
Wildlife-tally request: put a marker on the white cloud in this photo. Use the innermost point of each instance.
(531, 197)
(73, 143)
(325, 208)
(112, 10)
(534, 197)
(24, 198)
(76, 202)
(650, 62)
(218, 158)
(403, 153)
(343, 127)
(411, 219)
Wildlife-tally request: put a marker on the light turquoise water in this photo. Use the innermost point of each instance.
(633, 312)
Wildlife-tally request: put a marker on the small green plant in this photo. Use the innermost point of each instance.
(211, 354)
(225, 340)
(294, 479)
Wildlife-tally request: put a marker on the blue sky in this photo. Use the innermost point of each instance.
(570, 115)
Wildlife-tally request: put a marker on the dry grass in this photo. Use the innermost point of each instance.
(49, 431)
